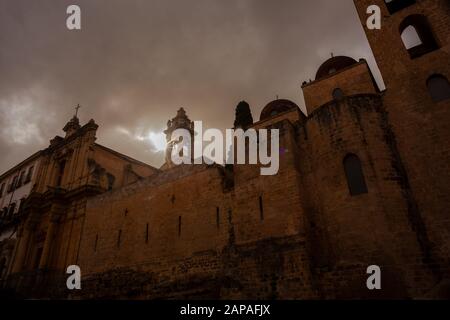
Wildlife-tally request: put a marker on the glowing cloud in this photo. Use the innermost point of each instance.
(158, 139)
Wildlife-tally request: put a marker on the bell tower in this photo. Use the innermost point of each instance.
(412, 50)
(413, 40)
(181, 121)
(72, 126)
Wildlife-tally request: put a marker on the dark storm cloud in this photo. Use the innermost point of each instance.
(135, 62)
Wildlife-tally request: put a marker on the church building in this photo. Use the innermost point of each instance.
(363, 180)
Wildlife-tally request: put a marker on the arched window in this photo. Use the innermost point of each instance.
(338, 94)
(355, 176)
(410, 37)
(417, 36)
(397, 5)
(439, 87)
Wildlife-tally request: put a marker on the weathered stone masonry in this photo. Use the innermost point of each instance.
(363, 180)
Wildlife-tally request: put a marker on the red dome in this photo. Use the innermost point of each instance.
(276, 107)
(334, 64)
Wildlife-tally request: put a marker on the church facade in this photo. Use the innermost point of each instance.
(364, 180)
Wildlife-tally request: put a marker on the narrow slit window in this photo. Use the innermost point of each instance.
(179, 226)
(96, 242)
(146, 233)
(119, 238)
(261, 208)
(218, 217)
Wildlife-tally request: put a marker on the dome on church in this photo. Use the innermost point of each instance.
(276, 107)
(333, 65)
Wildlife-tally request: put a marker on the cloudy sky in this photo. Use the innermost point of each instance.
(135, 62)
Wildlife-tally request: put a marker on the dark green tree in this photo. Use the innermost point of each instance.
(244, 117)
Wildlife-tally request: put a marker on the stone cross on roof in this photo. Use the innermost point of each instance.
(76, 110)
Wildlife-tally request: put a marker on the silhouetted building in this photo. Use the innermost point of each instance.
(364, 180)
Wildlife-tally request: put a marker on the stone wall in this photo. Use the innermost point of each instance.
(299, 234)
(419, 124)
(348, 232)
(230, 243)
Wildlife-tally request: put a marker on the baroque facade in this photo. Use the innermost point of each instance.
(364, 180)
(15, 186)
